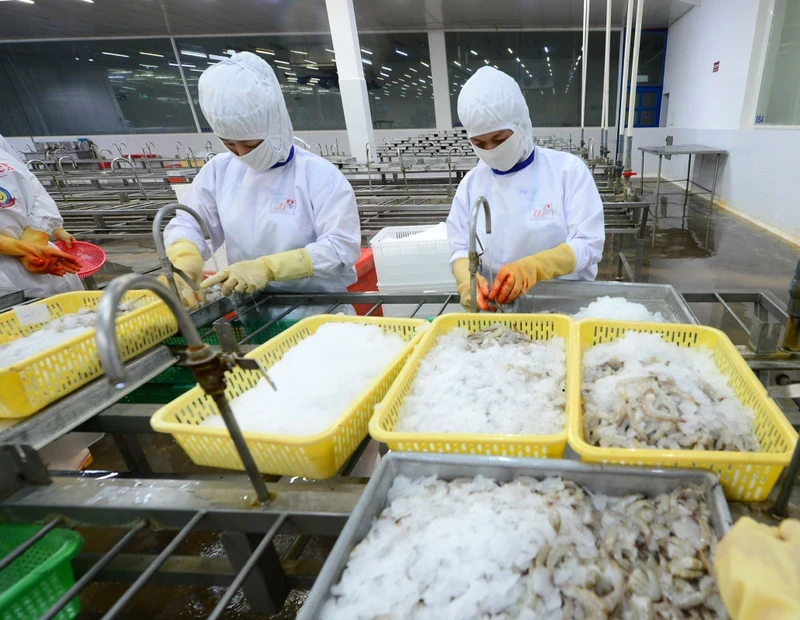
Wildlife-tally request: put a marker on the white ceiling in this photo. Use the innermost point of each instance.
(113, 18)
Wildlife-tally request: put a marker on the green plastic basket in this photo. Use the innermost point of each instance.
(40, 576)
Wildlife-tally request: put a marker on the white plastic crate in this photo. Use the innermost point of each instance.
(403, 261)
(427, 311)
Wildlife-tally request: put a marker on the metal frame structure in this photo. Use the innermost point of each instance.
(143, 500)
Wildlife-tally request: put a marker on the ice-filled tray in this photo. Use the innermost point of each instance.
(598, 478)
(566, 297)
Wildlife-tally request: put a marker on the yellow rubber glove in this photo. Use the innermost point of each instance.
(26, 252)
(249, 276)
(461, 274)
(61, 234)
(57, 262)
(517, 278)
(758, 570)
(186, 256)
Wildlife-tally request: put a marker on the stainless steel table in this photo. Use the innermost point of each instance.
(682, 149)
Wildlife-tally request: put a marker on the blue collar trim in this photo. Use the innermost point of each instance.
(288, 159)
(519, 165)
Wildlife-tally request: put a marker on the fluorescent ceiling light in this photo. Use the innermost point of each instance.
(369, 62)
(412, 69)
(215, 57)
(195, 54)
(152, 54)
(468, 69)
(401, 52)
(546, 51)
(197, 70)
(26, 1)
(366, 51)
(406, 75)
(473, 52)
(282, 62)
(329, 50)
(523, 65)
(486, 61)
(377, 97)
(76, 58)
(91, 60)
(289, 72)
(548, 59)
(424, 64)
(456, 63)
(114, 54)
(386, 69)
(265, 52)
(149, 66)
(116, 77)
(510, 51)
(299, 52)
(579, 56)
(385, 74)
(518, 60)
(422, 82)
(172, 64)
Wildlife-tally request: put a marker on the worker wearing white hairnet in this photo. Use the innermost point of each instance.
(547, 216)
(288, 217)
(28, 216)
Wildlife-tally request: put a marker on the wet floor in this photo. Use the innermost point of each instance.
(691, 251)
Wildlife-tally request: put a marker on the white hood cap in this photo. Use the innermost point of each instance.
(492, 100)
(242, 100)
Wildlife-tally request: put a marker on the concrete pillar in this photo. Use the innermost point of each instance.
(441, 92)
(353, 88)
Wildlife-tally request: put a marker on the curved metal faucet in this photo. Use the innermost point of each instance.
(209, 146)
(474, 258)
(367, 148)
(302, 143)
(71, 159)
(178, 146)
(133, 169)
(210, 155)
(109, 151)
(209, 366)
(189, 149)
(42, 164)
(450, 168)
(337, 147)
(169, 269)
(320, 149)
(590, 149)
(403, 170)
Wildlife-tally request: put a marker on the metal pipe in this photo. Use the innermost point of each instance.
(154, 566)
(474, 259)
(369, 172)
(178, 146)
(87, 577)
(320, 149)
(634, 80)
(61, 167)
(106, 328)
(584, 58)
(791, 337)
(450, 168)
(191, 161)
(590, 149)
(133, 170)
(606, 81)
(161, 250)
(337, 147)
(247, 568)
(624, 84)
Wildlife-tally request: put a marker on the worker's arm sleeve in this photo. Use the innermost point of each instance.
(42, 213)
(201, 198)
(583, 209)
(338, 243)
(458, 223)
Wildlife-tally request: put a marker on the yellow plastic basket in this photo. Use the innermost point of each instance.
(538, 327)
(745, 476)
(312, 456)
(29, 385)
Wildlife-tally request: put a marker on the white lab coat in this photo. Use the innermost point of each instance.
(306, 203)
(5, 145)
(24, 203)
(551, 201)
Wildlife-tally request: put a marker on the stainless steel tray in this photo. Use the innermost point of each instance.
(10, 298)
(568, 297)
(597, 478)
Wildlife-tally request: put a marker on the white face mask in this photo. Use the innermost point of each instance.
(263, 157)
(505, 156)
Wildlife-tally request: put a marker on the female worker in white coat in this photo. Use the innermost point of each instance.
(288, 217)
(28, 217)
(547, 215)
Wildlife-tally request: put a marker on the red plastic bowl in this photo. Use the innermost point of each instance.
(90, 256)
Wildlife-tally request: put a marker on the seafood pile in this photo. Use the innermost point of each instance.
(473, 548)
(52, 334)
(618, 309)
(493, 381)
(643, 392)
(316, 380)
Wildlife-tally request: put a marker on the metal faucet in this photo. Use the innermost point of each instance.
(210, 155)
(474, 258)
(169, 269)
(337, 146)
(450, 168)
(319, 146)
(61, 166)
(791, 337)
(133, 169)
(178, 146)
(590, 148)
(209, 146)
(32, 163)
(208, 365)
(189, 149)
(367, 148)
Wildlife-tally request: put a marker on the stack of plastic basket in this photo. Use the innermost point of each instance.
(411, 265)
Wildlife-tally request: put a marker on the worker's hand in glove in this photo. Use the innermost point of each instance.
(517, 278)
(58, 263)
(758, 570)
(461, 274)
(186, 256)
(61, 234)
(249, 276)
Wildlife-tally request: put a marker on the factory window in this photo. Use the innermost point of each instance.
(398, 75)
(778, 101)
(547, 67)
(304, 64)
(91, 87)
